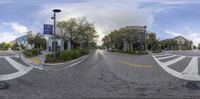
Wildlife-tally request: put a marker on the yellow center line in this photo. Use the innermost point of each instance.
(135, 65)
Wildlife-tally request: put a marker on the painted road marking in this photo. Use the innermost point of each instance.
(22, 70)
(192, 68)
(134, 65)
(17, 56)
(15, 75)
(162, 55)
(174, 61)
(15, 64)
(166, 57)
(189, 73)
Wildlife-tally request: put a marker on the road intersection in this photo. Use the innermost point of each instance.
(103, 74)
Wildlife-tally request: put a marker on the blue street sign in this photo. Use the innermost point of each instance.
(48, 29)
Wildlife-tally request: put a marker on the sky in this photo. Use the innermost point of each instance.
(166, 18)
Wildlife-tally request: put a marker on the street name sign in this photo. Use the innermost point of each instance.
(48, 29)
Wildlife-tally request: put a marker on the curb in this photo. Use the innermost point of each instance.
(67, 64)
(53, 64)
(48, 66)
(40, 67)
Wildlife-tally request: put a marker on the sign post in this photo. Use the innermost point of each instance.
(48, 30)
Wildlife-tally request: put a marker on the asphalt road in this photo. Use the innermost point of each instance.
(102, 75)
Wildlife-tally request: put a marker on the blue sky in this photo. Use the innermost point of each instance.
(167, 18)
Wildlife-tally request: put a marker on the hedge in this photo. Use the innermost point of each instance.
(31, 52)
(66, 55)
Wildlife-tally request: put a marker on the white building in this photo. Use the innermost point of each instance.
(59, 43)
(181, 41)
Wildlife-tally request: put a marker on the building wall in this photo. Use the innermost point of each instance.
(60, 44)
(141, 31)
(180, 40)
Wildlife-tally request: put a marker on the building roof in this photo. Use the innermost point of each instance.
(181, 37)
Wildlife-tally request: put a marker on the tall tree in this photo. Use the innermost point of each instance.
(79, 31)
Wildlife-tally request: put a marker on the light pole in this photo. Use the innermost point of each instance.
(145, 39)
(54, 28)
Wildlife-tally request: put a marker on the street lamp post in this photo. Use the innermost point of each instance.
(145, 38)
(54, 23)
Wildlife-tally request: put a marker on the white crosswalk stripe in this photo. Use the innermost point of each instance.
(189, 73)
(22, 70)
(17, 56)
(192, 68)
(15, 64)
(162, 55)
(174, 61)
(166, 57)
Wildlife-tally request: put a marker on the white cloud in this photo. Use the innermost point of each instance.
(15, 30)
(174, 34)
(19, 28)
(172, 2)
(107, 15)
(7, 37)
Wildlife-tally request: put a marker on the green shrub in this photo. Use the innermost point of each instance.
(71, 54)
(140, 52)
(185, 48)
(84, 51)
(35, 52)
(157, 51)
(49, 59)
(49, 56)
(31, 52)
(76, 54)
(28, 53)
(16, 49)
(66, 55)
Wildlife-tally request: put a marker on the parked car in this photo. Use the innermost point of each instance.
(111, 49)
